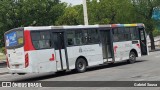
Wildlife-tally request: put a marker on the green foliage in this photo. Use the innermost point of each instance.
(144, 9)
(21, 13)
(156, 33)
(2, 50)
(70, 17)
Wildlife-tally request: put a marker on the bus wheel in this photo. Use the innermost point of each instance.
(132, 57)
(81, 65)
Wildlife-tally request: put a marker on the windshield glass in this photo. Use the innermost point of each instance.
(14, 39)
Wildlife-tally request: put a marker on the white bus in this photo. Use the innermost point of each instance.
(61, 48)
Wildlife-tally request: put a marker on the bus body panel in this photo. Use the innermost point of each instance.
(16, 58)
(123, 49)
(43, 60)
(93, 54)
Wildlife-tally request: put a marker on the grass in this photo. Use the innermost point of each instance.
(2, 57)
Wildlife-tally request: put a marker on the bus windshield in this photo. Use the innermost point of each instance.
(14, 39)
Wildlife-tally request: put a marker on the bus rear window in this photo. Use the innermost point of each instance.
(14, 39)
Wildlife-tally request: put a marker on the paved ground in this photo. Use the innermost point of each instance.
(3, 69)
(145, 69)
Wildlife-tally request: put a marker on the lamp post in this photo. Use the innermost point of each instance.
(85, 12)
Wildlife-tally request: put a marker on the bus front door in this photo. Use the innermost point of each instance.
(143, 42)
(106, 44)
(60, 50)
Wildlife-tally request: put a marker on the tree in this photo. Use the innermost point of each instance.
(21, 13)
(70, 17)
(110, 11)
(145, 9)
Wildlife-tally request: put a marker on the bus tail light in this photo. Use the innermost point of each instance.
(26, 60)
(138, 45)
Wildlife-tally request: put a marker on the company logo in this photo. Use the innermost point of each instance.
(25, 84)
(6, 84)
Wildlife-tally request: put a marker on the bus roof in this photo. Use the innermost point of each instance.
(127, 25)
(81, 26)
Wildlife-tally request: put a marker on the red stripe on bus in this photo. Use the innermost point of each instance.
(115, 49)
(28, 42)
(52, 58)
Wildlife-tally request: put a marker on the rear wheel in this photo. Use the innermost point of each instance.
(81, 65)
(132, 57)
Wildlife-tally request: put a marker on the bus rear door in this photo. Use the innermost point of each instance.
(107, 44)
(60, 50)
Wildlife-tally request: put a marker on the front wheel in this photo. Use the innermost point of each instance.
(81, 65)
(132, 57)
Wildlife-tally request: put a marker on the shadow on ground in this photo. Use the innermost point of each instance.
(3, 64)
(38, 77)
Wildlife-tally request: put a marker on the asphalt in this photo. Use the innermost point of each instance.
(3, 67)
(145, 69)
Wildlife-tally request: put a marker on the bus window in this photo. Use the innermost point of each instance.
(93, 36)
(85, 37)
(71, 38)
(121, 35)
(134, 33)
(127, 35)
(115, 35)
(14, 39)
(142, 35)
(78, 37)
(41, 40)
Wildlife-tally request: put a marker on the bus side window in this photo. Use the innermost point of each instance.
(127, 34)
(71, 38)
(85, 37)
(41, 40)
(35, 39)
(121, 33)
(79, 37)
(115, 35)
(45, 39)
(134, 33)
(93, 36)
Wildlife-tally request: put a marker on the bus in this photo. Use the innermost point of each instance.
(39, 49)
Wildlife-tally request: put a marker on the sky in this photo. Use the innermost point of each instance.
(73, 2)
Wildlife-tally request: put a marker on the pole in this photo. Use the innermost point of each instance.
(85, 12)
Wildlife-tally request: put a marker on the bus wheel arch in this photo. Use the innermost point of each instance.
(81, 64)
(136, 53)
(132, 56)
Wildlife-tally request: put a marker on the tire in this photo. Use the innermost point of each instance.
(132, 57)
(81, 65)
